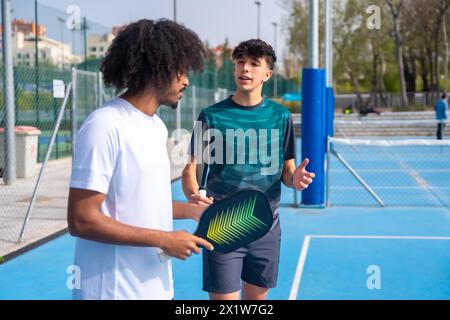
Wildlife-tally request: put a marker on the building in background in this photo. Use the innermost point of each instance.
(220, 53)
(50, 52)
(27, 28)
(98, 44)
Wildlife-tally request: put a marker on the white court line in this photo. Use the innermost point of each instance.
(378, 237)
(370, 170)
(305, 247)
(299, 271)
(390, 188)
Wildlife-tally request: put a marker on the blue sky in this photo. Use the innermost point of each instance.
(213, 20)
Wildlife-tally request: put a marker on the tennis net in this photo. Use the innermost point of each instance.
(387, 128)
(392, 172)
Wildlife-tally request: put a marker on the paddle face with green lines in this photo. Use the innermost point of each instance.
(236, 221)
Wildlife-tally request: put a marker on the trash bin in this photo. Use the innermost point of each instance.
(26, 150)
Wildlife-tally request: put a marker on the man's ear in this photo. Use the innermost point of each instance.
(268, 75)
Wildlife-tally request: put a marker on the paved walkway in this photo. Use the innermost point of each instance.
(48, 218)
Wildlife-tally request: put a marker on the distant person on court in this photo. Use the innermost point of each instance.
(120, 204)
(257, 152)
(441, 109)
(366, 111)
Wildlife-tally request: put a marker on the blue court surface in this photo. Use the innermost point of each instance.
(333, 253)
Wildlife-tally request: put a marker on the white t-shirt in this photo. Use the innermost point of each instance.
(121, 152)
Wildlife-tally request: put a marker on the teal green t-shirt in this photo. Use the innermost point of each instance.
(247, 147)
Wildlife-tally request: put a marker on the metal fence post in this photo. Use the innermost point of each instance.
(74, 110)
(194, 104)
(178, 121)
(96, 92)
(100, 88)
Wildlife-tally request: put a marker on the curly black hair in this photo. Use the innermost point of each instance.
(256, 48)
(151, 53)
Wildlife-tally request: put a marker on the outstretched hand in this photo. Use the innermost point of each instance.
(302, 178)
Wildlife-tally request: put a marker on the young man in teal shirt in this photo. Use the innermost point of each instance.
(251, 141)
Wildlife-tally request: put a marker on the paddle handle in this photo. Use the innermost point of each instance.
(202, 189)
(164, 257)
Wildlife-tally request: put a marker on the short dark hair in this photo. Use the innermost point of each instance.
(444, 95)
(255, 48)
(151, 53)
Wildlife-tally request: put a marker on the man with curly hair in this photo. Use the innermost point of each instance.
(120, 205)
(257, 140)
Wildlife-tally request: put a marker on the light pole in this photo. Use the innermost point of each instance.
(329, 41)
(175, 10)
(84, 35)
(73, 50)
(313, 56)
(275, 25)
(258, 4)
(178, 113)
(62, 20)
(36, 61)
(275, 80)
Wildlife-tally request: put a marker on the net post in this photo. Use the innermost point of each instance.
(313, 133)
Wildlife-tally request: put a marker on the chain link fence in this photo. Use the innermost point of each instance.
(18, 196)
(36, 107)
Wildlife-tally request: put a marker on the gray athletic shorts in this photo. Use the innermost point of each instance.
(256, 263)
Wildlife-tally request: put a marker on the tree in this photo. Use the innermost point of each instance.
(444, 27)
(379, 47)
(422, 23)
(343, 41)
(440, 8)
(395, 7)
(297, 27)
